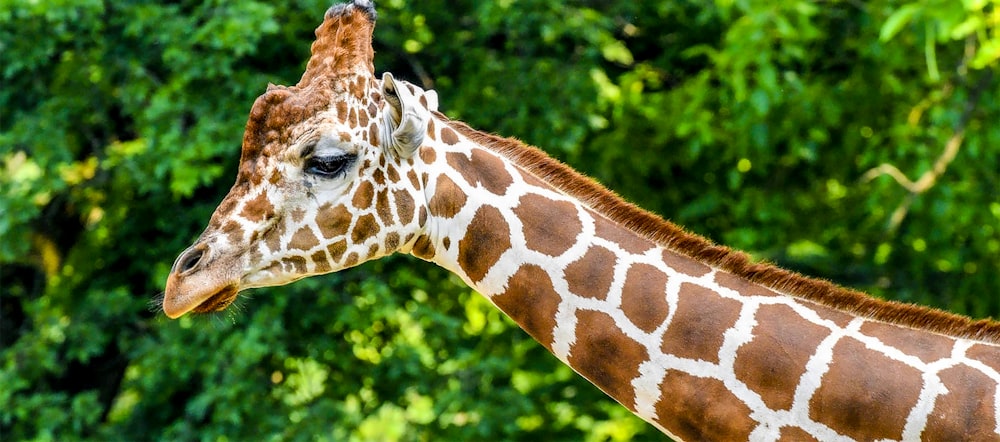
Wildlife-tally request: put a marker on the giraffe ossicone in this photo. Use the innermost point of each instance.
(696, 339)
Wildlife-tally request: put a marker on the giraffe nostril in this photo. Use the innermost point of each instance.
(190, 260)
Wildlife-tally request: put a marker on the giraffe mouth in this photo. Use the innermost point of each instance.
(219, 301)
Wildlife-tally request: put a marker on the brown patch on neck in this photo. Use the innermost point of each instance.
(698, 248)
(642, 297)
(448, 198)
(783, 342)
(482, 169)
(541, 234)
(698, 328)
(709, 411)
(599, 341)
(532, 302)
(592, 274)
(955, 417)
(487, 237)
(865, 407)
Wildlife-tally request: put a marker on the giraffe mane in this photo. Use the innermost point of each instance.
(669, 235)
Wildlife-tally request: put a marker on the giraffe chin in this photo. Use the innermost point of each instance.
(219, 301)
(177, 301)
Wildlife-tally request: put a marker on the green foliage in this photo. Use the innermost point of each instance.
(755, 123)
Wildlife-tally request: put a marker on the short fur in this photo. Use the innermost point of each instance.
(669, 235)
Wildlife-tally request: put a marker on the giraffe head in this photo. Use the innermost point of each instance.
(325, 178)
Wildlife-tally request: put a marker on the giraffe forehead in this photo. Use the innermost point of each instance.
(284, 114)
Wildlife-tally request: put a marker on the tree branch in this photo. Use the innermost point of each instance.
(930, 177)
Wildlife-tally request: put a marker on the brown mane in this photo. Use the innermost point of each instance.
(667, 234)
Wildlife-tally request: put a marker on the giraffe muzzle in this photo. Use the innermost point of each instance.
(200, 281)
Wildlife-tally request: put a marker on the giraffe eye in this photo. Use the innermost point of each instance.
(329, 167)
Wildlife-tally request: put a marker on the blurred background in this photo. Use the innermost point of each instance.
(853, 141)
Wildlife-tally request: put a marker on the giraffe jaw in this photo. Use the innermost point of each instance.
(219, 301)
(176, 305)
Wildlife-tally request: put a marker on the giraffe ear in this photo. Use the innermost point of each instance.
(408, 111)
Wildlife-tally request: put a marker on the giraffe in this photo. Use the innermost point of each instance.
(693, 337)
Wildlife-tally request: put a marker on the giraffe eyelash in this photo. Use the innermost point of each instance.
(329, 166)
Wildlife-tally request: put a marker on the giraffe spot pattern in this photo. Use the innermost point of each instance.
(643, 296)
(699, 324)
(482, 168)
(296, 264)
(333, 221)
(487, 237)
(532, 302)
(413, 179)
(428, 155)
(303, 239)
(957, 418)
(448, 136)
(342, 110)
(423, 248)
(448, 198)
(382, 207)
(701, 408)
(549, 227)
(628, 241)
(599, 341)
(391, 242)
(364, 195)
(928, 347)
(363, 119)
(684, 265)
(592, 274)
(744, 287)
(272, 238)
(392, 173)
(838, 317)
(352, 259)
(430, 130)
(321, 261)
(226, 206)
(985, 354)
(773, 362)
(365, 228)
(234, 231)
(337, 250)
(404, 205)
(792, 434)
(876, 398)
(258, 209)
(298, 215)
(373, 135)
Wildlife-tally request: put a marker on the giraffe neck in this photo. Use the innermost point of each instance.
(696, 350)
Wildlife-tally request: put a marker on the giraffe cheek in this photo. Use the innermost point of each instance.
(333, 221)
(304, 239)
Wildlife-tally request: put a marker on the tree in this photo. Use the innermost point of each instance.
(848, 141)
